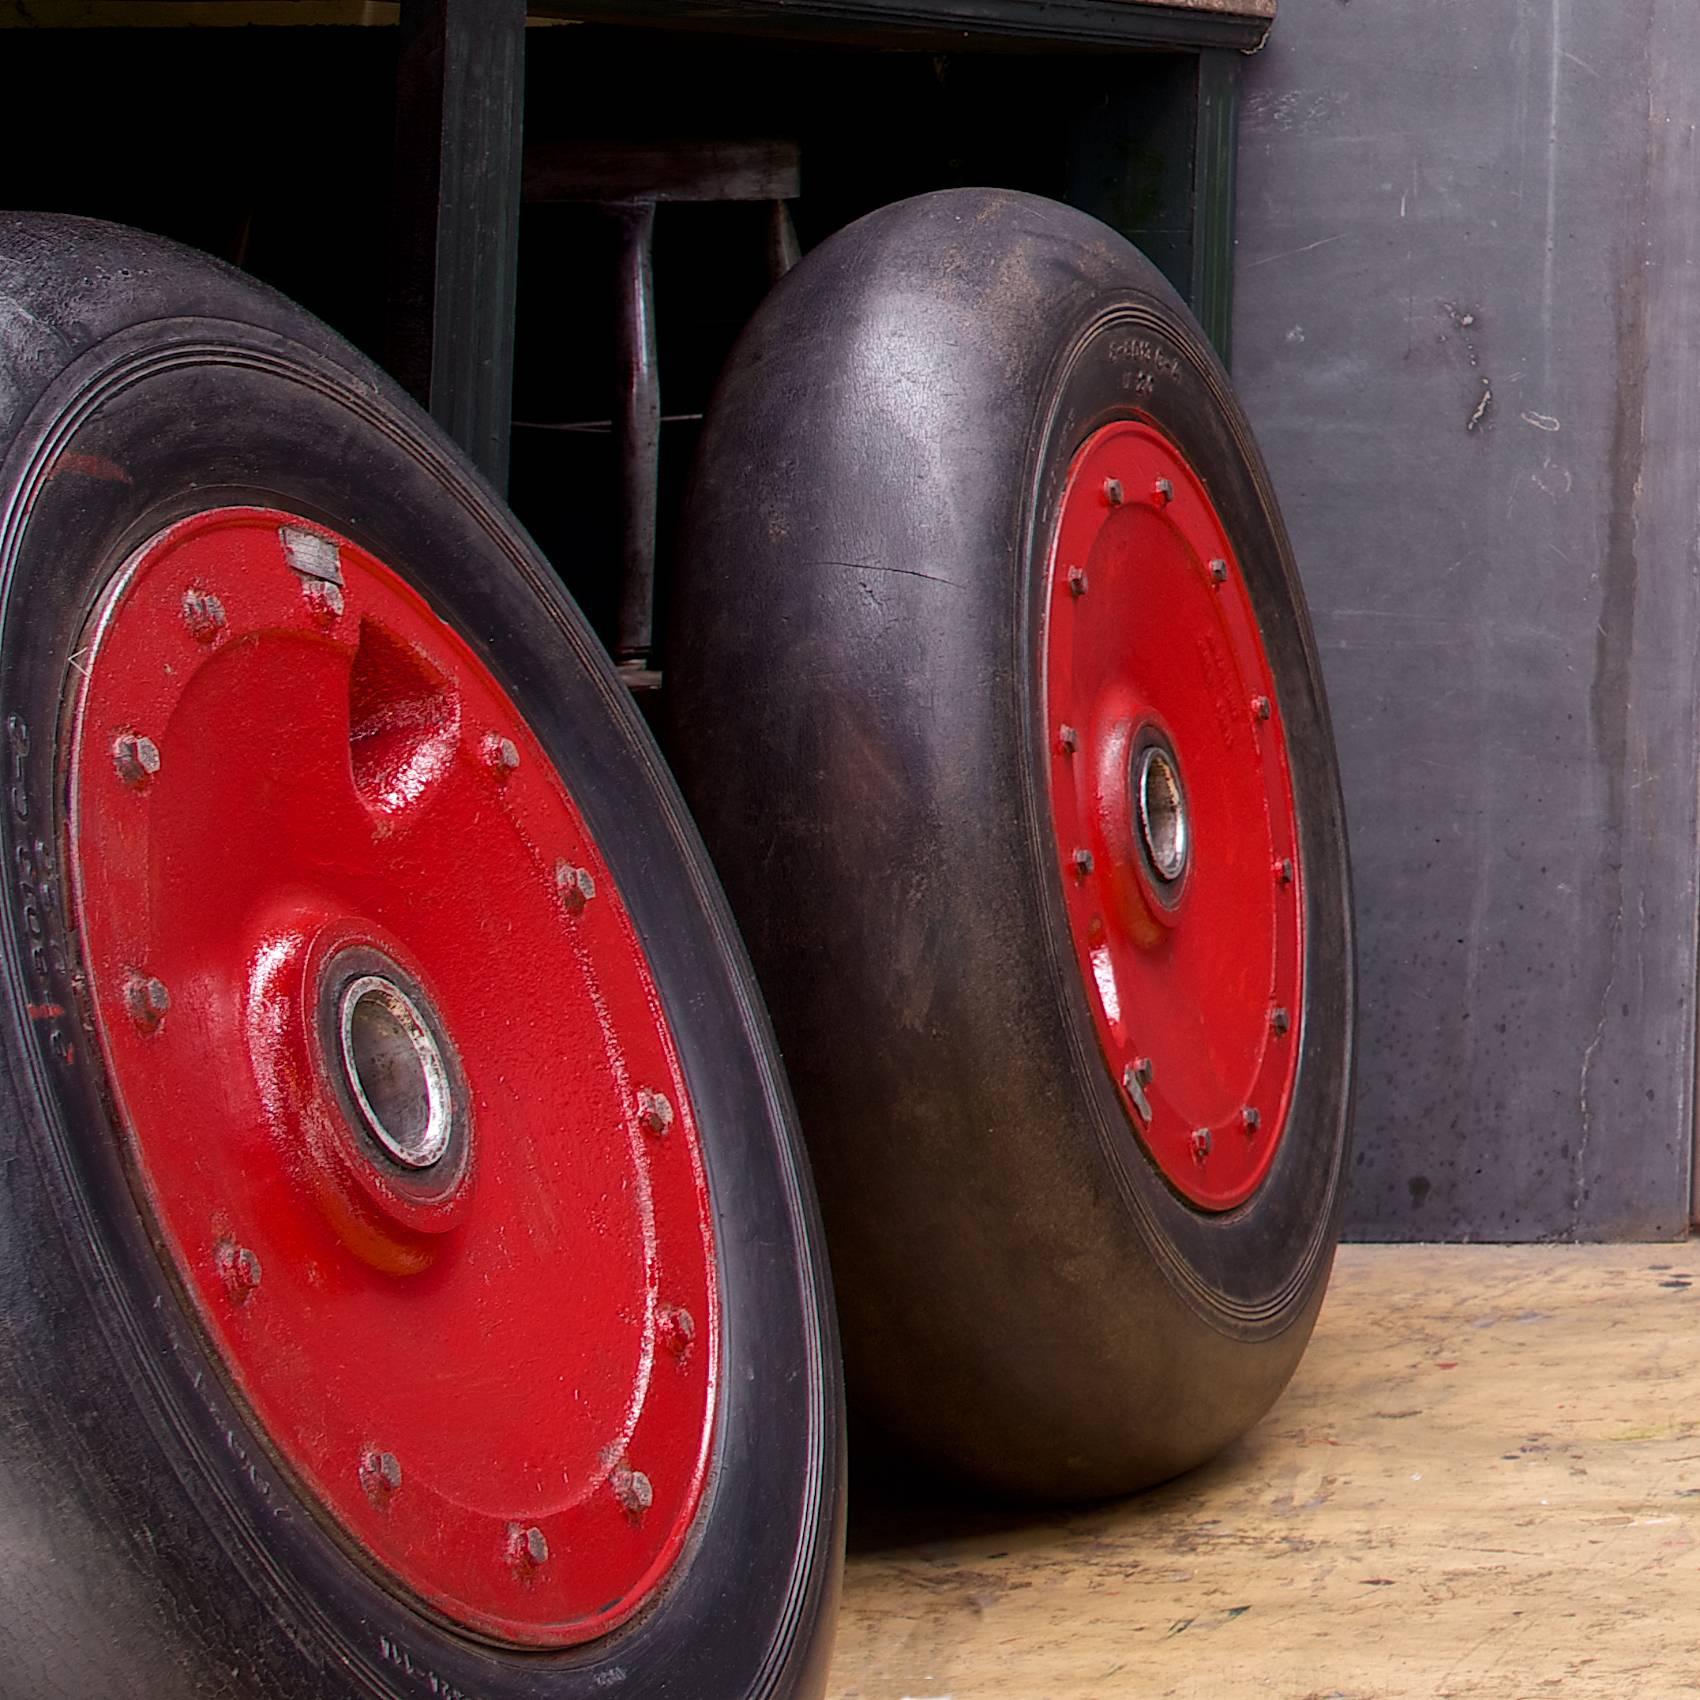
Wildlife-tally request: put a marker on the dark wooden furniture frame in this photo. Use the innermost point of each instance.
(460, 153)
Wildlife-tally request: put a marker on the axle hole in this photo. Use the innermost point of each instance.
(1162, 814)
(395, 1071)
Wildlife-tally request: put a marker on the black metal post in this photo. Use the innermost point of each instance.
(1214, 175)
(637, 430)
(459, 101)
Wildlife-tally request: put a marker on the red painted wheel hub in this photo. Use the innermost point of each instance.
(394, 1076)
(1173, 808)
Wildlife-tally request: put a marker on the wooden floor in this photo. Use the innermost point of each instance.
(1484, 1480)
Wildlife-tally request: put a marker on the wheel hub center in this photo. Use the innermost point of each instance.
(394, 1069)
(1159, 805)
(394, 1073)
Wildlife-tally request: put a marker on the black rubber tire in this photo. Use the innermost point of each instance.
(854, 723)
(152, 1546)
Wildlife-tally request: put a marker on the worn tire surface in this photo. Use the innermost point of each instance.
(150, 1546)
(854, 720)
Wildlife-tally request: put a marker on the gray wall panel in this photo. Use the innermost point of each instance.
(1467, 328)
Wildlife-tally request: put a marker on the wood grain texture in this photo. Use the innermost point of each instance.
(1485, 1480)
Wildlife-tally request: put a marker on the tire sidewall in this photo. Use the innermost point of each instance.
(856, 717)
(149, 424)
(1248, 1269)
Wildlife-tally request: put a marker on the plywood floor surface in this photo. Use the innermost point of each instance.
(1484, 1480)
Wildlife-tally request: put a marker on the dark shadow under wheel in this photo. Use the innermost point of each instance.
(997, 703)
(409, 1282)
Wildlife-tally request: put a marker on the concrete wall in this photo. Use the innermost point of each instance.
(1467, 332)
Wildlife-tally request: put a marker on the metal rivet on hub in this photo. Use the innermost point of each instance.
(147, 1001)
(1200, 1144)
(633, 1490)
(501, 755)
(1134, 1087)
(240, 1268)
(1252, 1120)
(1068, 738)
(676, 1328)
(528, 1547)
(324, 600)
(1084, 862)
(136, 758)
(655, 1112)
(203, 614)
(1218, 572)
(576, 885)
(1163, 491)
(1113, 492)
(380, 1474)
(1284, 870)
(1260, 707)
(1077, 581)
(1280, 1021)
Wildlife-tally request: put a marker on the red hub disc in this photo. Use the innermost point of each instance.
(394, 1075)
(1174, 816)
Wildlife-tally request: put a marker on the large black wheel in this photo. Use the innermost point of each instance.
(998, 706)
(409, 1281)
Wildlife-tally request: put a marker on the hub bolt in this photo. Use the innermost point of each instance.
(655, 1112)
(676, 1329)
(1200, 1144)
(1281, 1022)
(380, 1474)
(632, 1489)
(240, 1268)
(1068, 738)
(1113, 492)
(147, 1001)
(1260, 707)
(529, 1547)
(324, 599)
(1284, 870)
(136, 758)
(1077, 581)
(1163, 491)
(501, 755)
(576, 885)
(1084, 862)
(203, 614)
(1253, 1121)
(1218, 572)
